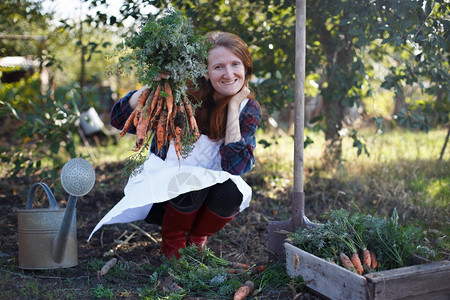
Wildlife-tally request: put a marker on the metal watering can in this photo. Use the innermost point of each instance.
(48, 236)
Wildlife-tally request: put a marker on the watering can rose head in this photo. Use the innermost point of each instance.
(78, 177)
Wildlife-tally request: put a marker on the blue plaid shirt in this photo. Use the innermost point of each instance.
(237, 157)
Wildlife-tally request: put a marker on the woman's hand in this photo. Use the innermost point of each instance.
(135, 97)
(233, 131)
(240, 96)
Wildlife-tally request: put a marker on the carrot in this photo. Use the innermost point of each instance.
(169, 102)
(142, 99)
(240, 265)
(244, 290)
(366, 257)
(346, 262)
(357, 263)
(142, 128)
(160, 131)
(155, 98)
(261, 268)
(107, 266)
(374, 261)
(128, 123)
(177, 143)
(158, 109)
(191, 118)
(137, 116)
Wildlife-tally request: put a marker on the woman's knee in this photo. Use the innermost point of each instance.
(224, 199)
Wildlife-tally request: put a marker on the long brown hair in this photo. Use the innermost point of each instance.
(216, 111)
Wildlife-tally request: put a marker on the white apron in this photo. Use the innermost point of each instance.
(162, 180)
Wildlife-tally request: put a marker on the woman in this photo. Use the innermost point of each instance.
(197, 197)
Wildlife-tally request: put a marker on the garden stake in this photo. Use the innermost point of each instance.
(278, 230)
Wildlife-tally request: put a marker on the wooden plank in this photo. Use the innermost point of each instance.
(414, 282)
(326, 278)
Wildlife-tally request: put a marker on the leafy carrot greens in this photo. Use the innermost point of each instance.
(341, 232)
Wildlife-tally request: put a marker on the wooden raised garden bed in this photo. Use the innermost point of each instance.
(424, 281)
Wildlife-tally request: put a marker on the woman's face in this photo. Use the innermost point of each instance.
(225, 71)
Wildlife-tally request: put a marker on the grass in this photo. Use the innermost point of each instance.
(402, 171)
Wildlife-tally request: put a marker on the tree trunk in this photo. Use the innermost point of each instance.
(400, 102)
(338, 71)
(445, 144)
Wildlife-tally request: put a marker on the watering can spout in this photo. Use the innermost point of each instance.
(60, 241)
(77, 179)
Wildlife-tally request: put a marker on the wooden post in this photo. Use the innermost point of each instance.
(299, 114)
(277, 230)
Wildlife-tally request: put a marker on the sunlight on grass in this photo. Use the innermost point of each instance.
(402, 169)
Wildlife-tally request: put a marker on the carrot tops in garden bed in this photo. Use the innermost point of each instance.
(362, 243)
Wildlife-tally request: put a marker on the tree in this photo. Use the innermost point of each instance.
(341, 37)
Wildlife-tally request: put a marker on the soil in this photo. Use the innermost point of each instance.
(136, 246)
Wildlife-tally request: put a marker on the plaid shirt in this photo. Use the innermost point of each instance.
(237, 157)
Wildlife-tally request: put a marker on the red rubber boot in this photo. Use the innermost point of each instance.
(206, 224)
(175, 225)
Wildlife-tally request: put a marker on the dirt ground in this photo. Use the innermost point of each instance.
(136, 246)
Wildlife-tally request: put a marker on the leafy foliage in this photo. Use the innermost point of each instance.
(166, 44)
(204, 273)
(392, 243)
(46, 127)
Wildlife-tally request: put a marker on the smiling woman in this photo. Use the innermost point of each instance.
(225, 71)
(227, 116)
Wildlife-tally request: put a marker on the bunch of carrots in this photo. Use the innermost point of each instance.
(157, 111)
(355, 264)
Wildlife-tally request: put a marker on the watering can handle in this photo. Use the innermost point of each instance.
(51, 198)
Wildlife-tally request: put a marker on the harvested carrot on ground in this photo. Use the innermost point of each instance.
(105, 269)
(357, 263)
(374, 261)
(244, 290)
(240, 265)
(346, 262)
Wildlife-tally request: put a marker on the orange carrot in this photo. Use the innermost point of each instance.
(160, 131)
(357, 263)
(191, 118)
(261, 268)
(240, 265)
(169, 102)
(244, 290)
(177, 143)
(366, 257)
(144, 121)
(155, 98)
(374, 261)
(159, 107)
(127, 124)
(346, 262)
(142, 99)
